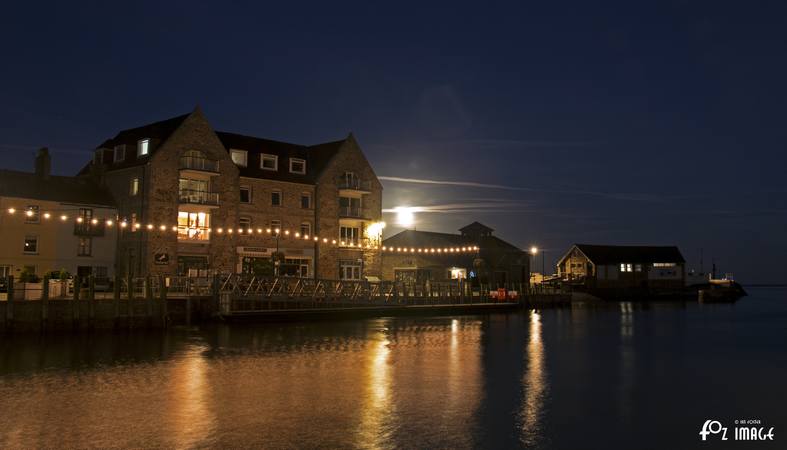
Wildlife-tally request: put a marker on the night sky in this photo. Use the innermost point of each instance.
(553, 122)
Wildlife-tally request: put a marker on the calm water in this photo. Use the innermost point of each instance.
(621, 376)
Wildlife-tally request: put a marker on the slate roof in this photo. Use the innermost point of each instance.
(413, 238)
(80, 190)
(616, 254)
(317, 156)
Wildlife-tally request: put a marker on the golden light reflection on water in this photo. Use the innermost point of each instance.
(376, 406)
(189, 413)
(534, 384)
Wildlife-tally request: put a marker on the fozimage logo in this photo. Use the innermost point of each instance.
(744, 430)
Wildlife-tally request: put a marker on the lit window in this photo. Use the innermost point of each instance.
(245, 194)
(349, 270)
(143, 146)
(306, 200)
(350, 235)
(33, 214)
(269, 162)
(662, 265)
(193, 226)
(306, 229)
(31, 244)
(134, 187)
(239, 157)
(120, 153)
(297, 166)
(85, 247)
(275, 225)
(276, 198)
(628, 267)
(244, 222)
(457, 273)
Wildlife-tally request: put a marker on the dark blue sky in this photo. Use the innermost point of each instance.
(623, 123)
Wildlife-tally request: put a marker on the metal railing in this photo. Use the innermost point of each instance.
(201, 164)
(355, 184)
(353, 211)
(198, 197)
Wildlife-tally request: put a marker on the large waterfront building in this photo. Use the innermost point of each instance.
(203, 201)
(51, 223)
(475, 254)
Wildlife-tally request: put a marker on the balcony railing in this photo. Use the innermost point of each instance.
(201, 164)
(355, 184)
(353, 211)
(198, 197)
(88, 229)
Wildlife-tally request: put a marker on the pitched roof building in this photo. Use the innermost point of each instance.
(426, 255)
(619, 266)
(181, 174)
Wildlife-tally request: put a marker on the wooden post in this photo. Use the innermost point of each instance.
(116, 296)
(163, 297)
(44, 300)
(9, 307)
(130, 295)
(149, 297)
(75, 304)
(91, 298)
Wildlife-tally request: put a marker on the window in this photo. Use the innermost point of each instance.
(239, 157)
(85, 247)
(458, 273)
(98, 158)
(134, 187)
(245, 194)
(143, 147)
(120, 153)
(32, 214)
(275, 225)
(306, 200)
(349, 206)
(638, 268)
(244, 222)
(5, 271)
(193, 226)
(269, 162)
(661, 265)
(306, 228)
(349, 270)
(350, 235)
(350, 180)
(297, 166)
(625, 267)
(276, 198)
(31, 244)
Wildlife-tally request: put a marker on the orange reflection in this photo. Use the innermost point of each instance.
(191, 419)
(376, 405)
(534, 384)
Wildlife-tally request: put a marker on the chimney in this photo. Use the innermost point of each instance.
(43, 165)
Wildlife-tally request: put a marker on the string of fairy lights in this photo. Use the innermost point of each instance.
(278, 233)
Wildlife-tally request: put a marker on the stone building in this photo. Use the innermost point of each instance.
(54, 223)
(202, 201)
(425, 255)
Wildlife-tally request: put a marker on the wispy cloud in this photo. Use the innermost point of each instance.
(474, 184)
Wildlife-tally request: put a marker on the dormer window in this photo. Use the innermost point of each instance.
(297, 166)
(143, 147)
(239, 157)
(120, 153)
(269, 162)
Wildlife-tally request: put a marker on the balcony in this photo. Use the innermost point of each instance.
(87, 229)
(355, 212)
(199, 164)
(195, 197)
(356, 185)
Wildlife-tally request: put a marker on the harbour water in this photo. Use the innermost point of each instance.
(615, 376)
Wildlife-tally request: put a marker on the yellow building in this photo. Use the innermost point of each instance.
(52, 223)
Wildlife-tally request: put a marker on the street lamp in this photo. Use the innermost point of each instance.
(534, 252)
